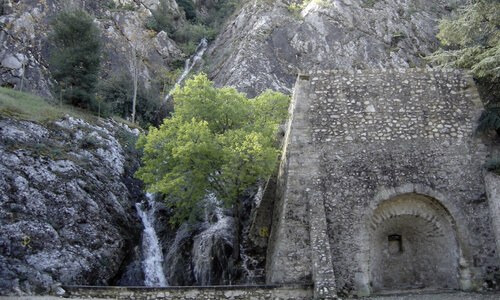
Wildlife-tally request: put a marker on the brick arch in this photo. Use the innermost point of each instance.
(414, 205)
(390, 215)
(413, 245)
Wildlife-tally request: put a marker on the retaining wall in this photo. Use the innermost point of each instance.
(265, 292)
(357, 140)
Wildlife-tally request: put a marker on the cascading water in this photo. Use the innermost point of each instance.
(152, 254)
(191, 62)
(212, 248)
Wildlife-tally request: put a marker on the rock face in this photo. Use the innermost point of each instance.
(24, 39)
(67, 200)
(263, 46)
(266, 44)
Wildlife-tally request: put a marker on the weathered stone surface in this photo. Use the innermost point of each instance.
(11, 62)
(388, 156)
(492, 183)
(273, 292)
(67, 203)
(25, 28)
(266, 45)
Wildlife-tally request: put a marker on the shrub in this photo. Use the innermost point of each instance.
(493, 164)
(218, 14)
(193, 33)
(489, 120)
(189, 9)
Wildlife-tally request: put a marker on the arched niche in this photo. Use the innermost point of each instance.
(413, 245)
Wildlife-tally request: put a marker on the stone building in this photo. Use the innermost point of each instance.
(381, 186)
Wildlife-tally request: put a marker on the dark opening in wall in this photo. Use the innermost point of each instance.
(395, 243)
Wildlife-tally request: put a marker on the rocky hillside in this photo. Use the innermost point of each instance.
(67, 197)
(262, 46)
(66, 192)
(268, 42)
(24, 27)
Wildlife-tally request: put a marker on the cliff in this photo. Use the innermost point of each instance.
(67, 191)
(67, 197)
(268, 42)
(24, 50)
(262, 46)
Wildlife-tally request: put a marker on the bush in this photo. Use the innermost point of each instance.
(218, 14)
(193, 33)
(489, 120)
(110, 4)
(493, 164)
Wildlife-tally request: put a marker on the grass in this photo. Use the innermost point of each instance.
(22, 106)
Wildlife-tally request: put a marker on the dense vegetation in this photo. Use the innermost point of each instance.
(218, 142)
(470, 39)
(76, 52)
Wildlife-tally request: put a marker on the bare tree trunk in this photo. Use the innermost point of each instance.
(134, 99)
(22, 77)
(135, 78)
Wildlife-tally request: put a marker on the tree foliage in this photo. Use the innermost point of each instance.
(217, 142)
(117, 93)
(471, 39)
(75, 56)
(161, 18)
(189, 9)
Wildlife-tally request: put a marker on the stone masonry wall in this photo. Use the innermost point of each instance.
(357, 140)
(288, 292)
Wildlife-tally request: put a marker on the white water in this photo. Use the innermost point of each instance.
(190, 63)
(152, 254)
(209, 246)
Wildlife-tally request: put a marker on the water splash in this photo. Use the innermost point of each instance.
(190, 63)
(152, 254)
(212, 248)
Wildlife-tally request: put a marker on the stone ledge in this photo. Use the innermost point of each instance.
(234, 292)
(209, 287)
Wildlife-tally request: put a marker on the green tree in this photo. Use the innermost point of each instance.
(189, 9)
(117, 94)
(75, 56)
(161, 18)
(470, 39)
(217, 142)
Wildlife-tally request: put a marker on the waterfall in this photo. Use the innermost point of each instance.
(212, 248)
(191, 62)
(152, 254)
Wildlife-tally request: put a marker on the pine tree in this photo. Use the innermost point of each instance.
(75, 56)
(470, 39)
